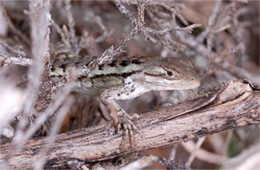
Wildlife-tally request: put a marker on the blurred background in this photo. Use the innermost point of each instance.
(228, 29)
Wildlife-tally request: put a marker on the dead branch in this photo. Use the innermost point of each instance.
(40, 19)
(236, 105)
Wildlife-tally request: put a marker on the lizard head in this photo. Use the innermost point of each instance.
(171, 74)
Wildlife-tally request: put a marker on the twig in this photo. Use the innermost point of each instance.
(40, 120)
(13, 28)
(237, 71)
(227, 143)
(4, 24)
(71, 22)
(148, 33)
(8, 60)
(211, 21)
(173, 152)
(105, 34)
(40, 17)
(56, 124)
(193, 153)
(125, 11)
(205, 155)
(140, 163)
(107, 55)
(16, 50)
(15, 60)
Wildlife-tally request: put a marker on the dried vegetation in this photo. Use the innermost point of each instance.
(220, 37)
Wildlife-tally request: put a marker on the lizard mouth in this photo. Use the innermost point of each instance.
(173, 85)
(187, 84)
(194, 83)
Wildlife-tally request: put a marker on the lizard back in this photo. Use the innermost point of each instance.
(110, 74)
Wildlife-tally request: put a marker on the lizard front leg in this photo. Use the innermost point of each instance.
(122, 120)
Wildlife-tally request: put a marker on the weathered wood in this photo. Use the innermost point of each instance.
(235, 106)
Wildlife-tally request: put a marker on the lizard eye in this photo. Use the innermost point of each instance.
(169, 73)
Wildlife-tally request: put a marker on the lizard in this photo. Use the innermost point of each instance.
(126, 77)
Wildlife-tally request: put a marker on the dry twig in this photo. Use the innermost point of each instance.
(40, 18)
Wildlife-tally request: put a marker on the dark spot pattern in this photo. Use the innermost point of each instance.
(63, 66)
(77, 62)
(113, 63)
(79, 78)
(124, 75)
(136, 61)
(52, 69)
(124, 63)
(59, 76)
(101, 67)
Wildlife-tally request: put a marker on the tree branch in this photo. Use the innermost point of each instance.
(234, 106)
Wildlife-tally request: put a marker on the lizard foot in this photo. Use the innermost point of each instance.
(124, 121)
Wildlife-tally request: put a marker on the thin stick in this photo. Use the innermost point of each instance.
(193, 154)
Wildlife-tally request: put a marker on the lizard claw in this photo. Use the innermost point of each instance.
(125, 123)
